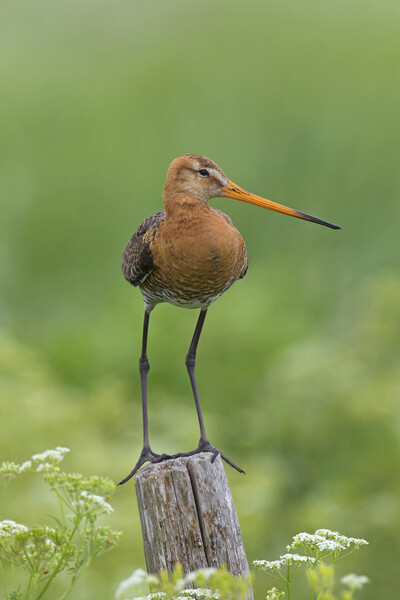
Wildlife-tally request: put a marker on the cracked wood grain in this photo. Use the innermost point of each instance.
(188, 516)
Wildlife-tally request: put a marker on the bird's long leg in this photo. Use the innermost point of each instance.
(204, 443)
(190, 363)
(144, 368)
(147, 453)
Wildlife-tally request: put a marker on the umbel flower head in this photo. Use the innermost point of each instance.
(354, 582)
(284, 561)
(42, 552)
(274, 594)
(53, 457)
(325, 541)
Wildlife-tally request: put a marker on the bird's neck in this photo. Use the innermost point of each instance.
(183, 207)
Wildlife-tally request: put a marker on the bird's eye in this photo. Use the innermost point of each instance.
(204, 172)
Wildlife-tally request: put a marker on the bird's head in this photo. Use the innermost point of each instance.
(195, 176)
(198, 177)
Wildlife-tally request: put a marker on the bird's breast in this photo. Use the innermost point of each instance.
(196, 262)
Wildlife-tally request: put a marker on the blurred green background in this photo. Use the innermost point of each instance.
(298, 365)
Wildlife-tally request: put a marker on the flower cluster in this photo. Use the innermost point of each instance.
(51, 457)
(36, 549)
(318, 547)
(284, 561)
(274, 594)
(8, 528)
(211, 584)
(42, 552)
(155, 596)
(325, 541)
(46, 463)
(89, 505)
(354, 582)
(198, 594)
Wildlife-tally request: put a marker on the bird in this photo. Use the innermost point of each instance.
(188, 255)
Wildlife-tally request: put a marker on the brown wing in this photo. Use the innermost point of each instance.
(137, 260)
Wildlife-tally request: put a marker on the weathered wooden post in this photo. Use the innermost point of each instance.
(188, 516)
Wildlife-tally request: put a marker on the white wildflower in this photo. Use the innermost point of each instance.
(325, 540)
(358, 542)
(50, 544)
(268, 565)
(45, 468)
(284, 560)
(25, 466)
(154, 596)
(198, 594)
(47, 455)
(11, 527)
(355, 582)
(301, 538)
(9, 468)
(341, 539)
(206, 572)
(330, 545)
(315, 541)
(274, 594)
(296, 559)
(62, 450)
(96, 502)
(334, 536)
(189, 578)
(327, 533)
(138, 578)
(51, 456)
(30, 551)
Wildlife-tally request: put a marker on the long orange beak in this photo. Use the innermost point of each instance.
(231, 190)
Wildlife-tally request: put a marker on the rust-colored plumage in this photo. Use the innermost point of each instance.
(188, 255)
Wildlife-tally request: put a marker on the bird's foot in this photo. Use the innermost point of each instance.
(147, 455)
(205, 446)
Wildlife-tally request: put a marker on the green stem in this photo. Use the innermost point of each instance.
(288, 582)
(277, 576)
(68, 590)
(14, 577)
(58, 566)
(288, 589)
(344, 555)
(82, 537)
(28, 560)
(28, 587)
(3, 580)
(61, 507)
(74, 580)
